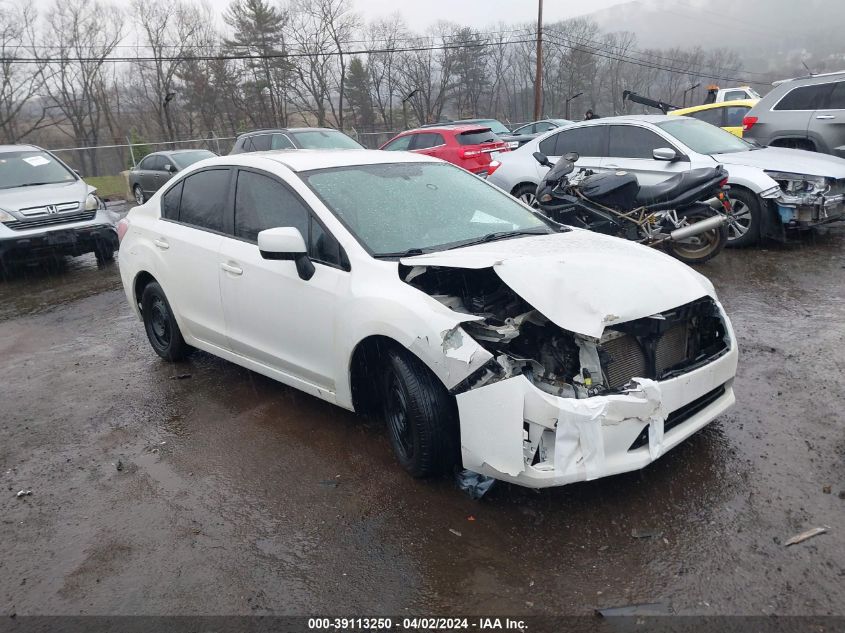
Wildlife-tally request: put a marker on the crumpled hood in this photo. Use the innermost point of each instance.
(579, 280)
(795, 161)
(40, 195)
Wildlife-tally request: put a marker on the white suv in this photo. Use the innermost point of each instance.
(400, 284)
(47, 209)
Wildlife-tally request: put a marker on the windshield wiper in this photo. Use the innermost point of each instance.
(409, 253)
(35, 184)
(500, 235)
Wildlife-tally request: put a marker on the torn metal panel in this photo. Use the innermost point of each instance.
(453, 356)
(588, 280)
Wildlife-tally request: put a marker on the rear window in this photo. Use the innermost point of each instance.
(189, 158)
(324, 139)
(477, 137)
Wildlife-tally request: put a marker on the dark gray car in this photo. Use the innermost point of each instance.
(157, 168)
(806, 113)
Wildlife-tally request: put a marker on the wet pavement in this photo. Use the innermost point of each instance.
(203, 488)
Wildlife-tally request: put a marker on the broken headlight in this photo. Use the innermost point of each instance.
(799, 188)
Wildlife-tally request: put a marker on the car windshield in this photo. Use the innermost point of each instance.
(184, 159)
(704, 138)
(324, 139)
(405, 208)
(30, 168)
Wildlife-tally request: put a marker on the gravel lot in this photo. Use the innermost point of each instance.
(204, 488)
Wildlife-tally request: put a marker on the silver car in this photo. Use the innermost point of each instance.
(772, 188)
(47, 209)
(157, 168)
(806, 113)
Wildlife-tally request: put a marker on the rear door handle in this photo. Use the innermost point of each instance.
(234, 270)
(161, 244)
(826, 117)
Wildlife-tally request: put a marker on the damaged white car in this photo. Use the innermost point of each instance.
(399, 284)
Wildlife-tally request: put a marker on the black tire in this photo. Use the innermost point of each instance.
(527, 193)
(700, 248)
(421, 416)
(104, 252)
(160, 324)
(139, 194)
(744, 230)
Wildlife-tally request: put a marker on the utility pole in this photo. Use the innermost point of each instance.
(538, 79)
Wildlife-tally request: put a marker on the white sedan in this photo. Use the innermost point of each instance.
(398, 284)
(772, 188)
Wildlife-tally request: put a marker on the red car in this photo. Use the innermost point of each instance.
(472, 147)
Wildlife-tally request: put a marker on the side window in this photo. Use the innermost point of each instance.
(547, 146)
(281, 141)
(805, 98)
(734, 115)
(204, 198)
(147, 163)
(263, 203)
(400, 144)
(837, 97)
(629, 141)
(542, 127)
(587, 141)
(735, 95)
(426, 140)
(712, 116)
(158, 163)
(259, 142)
(170, 202)
(323, 247)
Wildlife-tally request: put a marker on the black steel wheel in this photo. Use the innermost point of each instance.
(162, 330)
(421, 416)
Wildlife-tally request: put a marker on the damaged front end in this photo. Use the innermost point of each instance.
(803, 200)
(552, 406)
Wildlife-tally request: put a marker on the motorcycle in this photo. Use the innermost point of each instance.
(686, 215)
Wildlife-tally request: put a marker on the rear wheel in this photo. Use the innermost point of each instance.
(744, 228)
(420, 414)
(702, 247)
(162, 330)
(527, 193)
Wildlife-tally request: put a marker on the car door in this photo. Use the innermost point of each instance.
(168, 169)
(158, 173)
(399, 144)
(146, 175)
(631, 148)
(590, 141)
(274, 317)
(190, 231)
(827, 124)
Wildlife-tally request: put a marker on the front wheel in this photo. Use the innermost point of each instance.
(421, 416)
(139, 194)
(744, 229)
(526, 193)
(702, 247)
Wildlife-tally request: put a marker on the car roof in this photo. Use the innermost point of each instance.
(713, 106)
(282, 130)
(307, 159)
(457, 128)
(809, 78)
(179, 151)
(19, 148)
(627, 118)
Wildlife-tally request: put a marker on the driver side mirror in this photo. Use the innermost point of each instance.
(572, 157)
(664, 153)
(170, 169)
(286, 243)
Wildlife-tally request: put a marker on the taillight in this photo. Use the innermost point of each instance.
(122, 227)
(748, 123)
(493, 166)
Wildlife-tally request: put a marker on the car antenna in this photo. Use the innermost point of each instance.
(812, 74)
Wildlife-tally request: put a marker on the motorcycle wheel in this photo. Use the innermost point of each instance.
(699, 248)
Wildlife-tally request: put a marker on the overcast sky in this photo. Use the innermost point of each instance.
(419, 14)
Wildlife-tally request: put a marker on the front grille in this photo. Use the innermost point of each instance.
(50, 220)
(62, 207)
(663, 345)
(681, 415)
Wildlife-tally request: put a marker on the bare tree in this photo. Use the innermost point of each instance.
(21, 110)
(90, 31)
(384, 36)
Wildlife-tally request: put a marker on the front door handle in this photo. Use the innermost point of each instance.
(234, 270)
(826, 117)
(161, 244)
